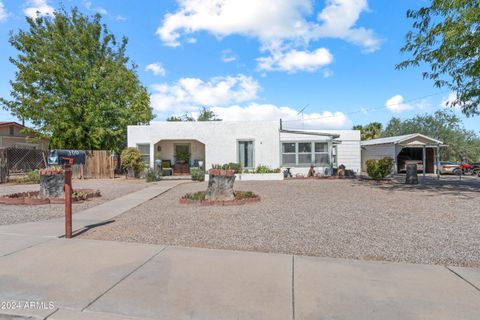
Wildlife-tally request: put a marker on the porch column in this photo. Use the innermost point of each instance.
(424, 157)
(152, 155)
(437, 158)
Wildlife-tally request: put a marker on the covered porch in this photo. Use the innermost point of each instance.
(177, 156)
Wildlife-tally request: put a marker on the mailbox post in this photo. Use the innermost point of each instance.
(68, 198)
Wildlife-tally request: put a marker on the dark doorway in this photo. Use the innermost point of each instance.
(416, 154)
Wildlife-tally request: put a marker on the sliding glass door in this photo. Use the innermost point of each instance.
(245, 154)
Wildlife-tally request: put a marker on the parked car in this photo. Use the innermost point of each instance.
(403, 161)
(449, 167)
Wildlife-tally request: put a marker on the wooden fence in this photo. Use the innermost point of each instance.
(99, 164)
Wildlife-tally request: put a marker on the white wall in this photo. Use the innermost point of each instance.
(377, 152)
(221, 139)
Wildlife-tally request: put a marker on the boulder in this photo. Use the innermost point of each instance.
(220, 185)
(52, 185)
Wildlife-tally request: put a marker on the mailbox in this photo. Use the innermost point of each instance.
(62, 157)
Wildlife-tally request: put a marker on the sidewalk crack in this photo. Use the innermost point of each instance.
(458, 275)
(123, 278)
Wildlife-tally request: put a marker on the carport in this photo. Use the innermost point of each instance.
(412, 147)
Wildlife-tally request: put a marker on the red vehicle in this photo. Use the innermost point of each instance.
(465, 169)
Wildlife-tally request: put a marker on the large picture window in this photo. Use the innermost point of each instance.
(303, 154)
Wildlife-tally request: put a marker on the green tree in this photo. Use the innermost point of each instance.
(74, 82)
(205, 115)
(370, 131)
(444, 126)
(446, 38)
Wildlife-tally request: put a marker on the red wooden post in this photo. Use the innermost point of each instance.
(68, 201)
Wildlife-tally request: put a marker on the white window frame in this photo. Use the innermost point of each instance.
(145, 156)
(312, 152)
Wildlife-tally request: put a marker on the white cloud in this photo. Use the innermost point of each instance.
(289, 116)
(396, 104)
(3, 12)
(327, 73)
(449, 101)
(156, 68)
(38, 8)
(269, 21)
(338, 21)
(89, 6)
(294, 60)
(228, 56)
(187, 94)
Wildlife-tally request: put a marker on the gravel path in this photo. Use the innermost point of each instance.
(110, 189)
(347, 219)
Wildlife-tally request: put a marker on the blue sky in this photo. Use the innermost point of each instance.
(253, 60)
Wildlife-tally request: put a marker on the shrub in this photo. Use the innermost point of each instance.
(197, 174)
(152, 175)
(131, 158)
(30, 177)
(379, 169)
(266, 169)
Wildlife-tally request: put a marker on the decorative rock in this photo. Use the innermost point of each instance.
(411, 174)
(220, 185)
(51, 185)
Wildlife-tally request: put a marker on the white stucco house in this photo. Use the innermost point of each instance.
(250, 143)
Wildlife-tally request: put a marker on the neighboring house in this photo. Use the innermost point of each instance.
(250, 143)
(403, 148)
(11, 135)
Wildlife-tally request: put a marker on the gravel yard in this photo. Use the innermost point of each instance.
(335, 218)
(110, 189)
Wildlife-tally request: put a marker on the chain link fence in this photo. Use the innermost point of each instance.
(19, 160)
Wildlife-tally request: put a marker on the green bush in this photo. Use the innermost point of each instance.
(152, 175)
(379, 169)
(131, 158)
(197, 174)
(266, 169)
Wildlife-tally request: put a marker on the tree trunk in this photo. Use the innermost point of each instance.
(51, 185)
(220, 185)
(411, 174)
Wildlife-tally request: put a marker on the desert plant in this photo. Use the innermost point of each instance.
(31, 177)
(132, 160)
(152, 175)
(237, 167)
(197, 174)
(183, 156)
(379, 169)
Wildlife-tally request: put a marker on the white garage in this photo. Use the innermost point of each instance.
(401, 148)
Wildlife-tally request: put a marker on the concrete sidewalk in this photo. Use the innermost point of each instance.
(89, 279)
(102, 213)
(44, 277)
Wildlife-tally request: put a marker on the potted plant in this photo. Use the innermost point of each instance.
(182, 157)
(132, 160)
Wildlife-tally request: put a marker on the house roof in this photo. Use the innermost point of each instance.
(417, 139)
(10, 123)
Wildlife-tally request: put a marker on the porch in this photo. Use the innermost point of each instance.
(177, 156)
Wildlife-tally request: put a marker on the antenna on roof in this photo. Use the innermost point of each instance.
(301, 112)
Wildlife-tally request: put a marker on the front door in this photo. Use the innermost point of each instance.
(182, 149)
(245, 154)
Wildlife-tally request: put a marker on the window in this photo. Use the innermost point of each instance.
(303, 154)
(321, 154)
(289, 153)
(11, 130)
(245, 154)
(144, 149)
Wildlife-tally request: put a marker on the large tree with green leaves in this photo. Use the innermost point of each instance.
(442, 125)
(446, 38)
(205, 114)
(75, 83)
(370, 131)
